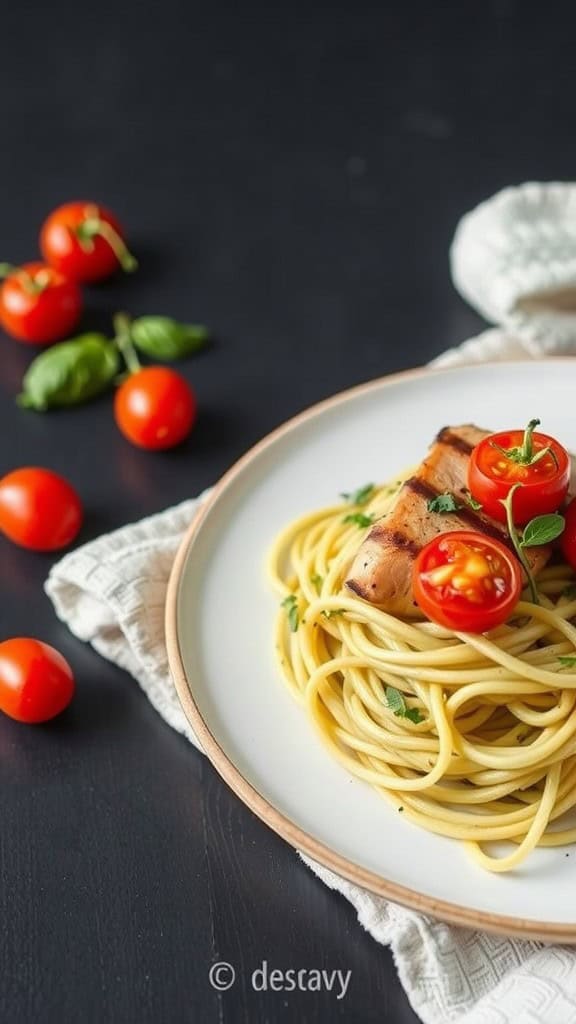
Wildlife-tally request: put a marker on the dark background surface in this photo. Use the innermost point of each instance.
(291, 176)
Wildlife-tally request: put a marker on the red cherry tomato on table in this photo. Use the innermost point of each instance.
(512, 457)
(39, 509)
(466, 581)
(38, 304)
(36, 682)
(85, 241)
(155, 408)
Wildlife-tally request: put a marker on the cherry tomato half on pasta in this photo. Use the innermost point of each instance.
(39, 509)
(466, 581)
(85, 241)
(155, 408)
(38, 304)
(36, 682)
(538, 462)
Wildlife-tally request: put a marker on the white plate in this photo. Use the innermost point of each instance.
(220, 615)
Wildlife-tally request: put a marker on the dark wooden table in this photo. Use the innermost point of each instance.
(291, 176)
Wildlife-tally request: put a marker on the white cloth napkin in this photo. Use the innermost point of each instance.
(111, 594)
(514, 259)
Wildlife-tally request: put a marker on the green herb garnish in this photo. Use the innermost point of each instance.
(291, 605)
(443, 503)
(361, 496)
(359, 519)
(470, 500)
(329, 612)
(540, 530)
(567, 659)
(317, 582)
(397, 705)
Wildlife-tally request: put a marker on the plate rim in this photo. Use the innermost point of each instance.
(296, 836)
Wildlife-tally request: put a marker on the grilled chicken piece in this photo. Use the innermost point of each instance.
(382, 570)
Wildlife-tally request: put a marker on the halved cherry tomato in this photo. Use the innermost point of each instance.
(85, 241)
(38, 304)
(36, 682)
(155, 408)
(536, 461)
(466, 581)
(568, 539)
(39, 509)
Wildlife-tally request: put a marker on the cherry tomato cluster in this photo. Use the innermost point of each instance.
(155, 408)
(466, 580)
(80, 242)
(41, 303)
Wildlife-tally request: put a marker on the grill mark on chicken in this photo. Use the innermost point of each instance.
(396, 539)
(464, 513)
(477, 522)
(452, 440)
(420, 487)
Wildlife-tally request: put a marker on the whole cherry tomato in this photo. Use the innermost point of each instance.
(36, 682)
(155, 408)
(85, 241)
(536, 461)
(38, 304)
(466, 581)
(568, 539)
(39, 509)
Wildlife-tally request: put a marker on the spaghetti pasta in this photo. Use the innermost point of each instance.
(472, 736)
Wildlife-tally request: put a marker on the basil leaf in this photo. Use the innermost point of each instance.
(395, 701)
(443, 503)
(567, 659)
(359, 519)
(361, 496)
(291, 605)
(70, 373)
(542, 530)
(161, 337)
(397, 705)
(413, 714)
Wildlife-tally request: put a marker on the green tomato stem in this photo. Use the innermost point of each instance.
(517, 542)
(34, 285)
(123, 339)
(92, 226)
(526, 452)
(523, 455)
